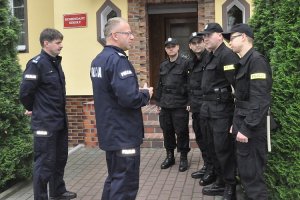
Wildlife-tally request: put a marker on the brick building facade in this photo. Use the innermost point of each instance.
(80, 109)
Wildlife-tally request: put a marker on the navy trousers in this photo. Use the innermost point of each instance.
(50, 156)
(122, 182)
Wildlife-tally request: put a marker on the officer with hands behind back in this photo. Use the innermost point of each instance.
(253, 85)
(43, 94)
(172, 100)
(217, 112)
(118, 101)
(197, 62)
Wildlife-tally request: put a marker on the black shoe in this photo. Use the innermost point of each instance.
(65, 195)
(216, 189)
(183, 165)
(200, 173)
(169, 161)
(208, 178)
(229, 192)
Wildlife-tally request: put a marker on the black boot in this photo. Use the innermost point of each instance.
(229, 192)
(200, 173)
(217, 188)
(183, 165)
(169, 161)
(208, 178)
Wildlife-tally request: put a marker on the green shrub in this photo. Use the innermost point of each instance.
(15, 135)
(277, 25)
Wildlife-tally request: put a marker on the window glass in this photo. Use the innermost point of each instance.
(18, 10)
(235, 16)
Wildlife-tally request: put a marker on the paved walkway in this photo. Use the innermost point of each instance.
(86, 173)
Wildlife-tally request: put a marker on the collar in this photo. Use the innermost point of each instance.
(51, 58)
(245, 58)
(117, 49)
(219, 49)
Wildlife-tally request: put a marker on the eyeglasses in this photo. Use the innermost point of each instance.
(235, 36)
(126, 33)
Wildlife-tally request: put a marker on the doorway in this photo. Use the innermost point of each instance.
(162, 26)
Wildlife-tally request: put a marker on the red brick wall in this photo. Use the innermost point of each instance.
(76, 117)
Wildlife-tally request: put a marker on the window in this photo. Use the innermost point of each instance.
(108, 10)
(19, 8)
(235, 12)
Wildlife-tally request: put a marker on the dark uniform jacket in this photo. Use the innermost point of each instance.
(171, 91)
(218, 76)
(196, 68)
(253, 94)
(43, 92)
(118, 100)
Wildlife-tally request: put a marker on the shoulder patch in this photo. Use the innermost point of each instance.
(258, 76)
(126, 73)
(228, 67)
(36, 59)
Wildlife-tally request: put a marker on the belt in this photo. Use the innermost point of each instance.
(225, 89)
(196, 92)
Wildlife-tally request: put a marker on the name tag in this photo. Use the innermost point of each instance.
(258, 76)
(228, 67)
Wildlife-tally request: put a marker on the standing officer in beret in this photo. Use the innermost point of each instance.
(217, 111)
(43, 94)
(197, 62)
(118, 102)
(253, 83)
(172, 100)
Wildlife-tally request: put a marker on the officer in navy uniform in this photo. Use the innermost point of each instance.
(172, 98)
(217, 111)
(197, 62)
(253, 84)
(43, 94)
(118, 102)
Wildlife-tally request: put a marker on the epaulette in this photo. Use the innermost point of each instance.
(120, 54)
(36, 59)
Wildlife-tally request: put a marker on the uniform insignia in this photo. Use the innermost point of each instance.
(194, 34)
(126, 73)
(169, 39)
(36, 59)
(96, 72)
(258, 76)
(30, 77)
(228, 67)
(41, 133)
(120, 54)
(205, 26)
(128, 151)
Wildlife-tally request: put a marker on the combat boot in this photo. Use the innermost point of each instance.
(169, 161)
(183, 165)
(229, 192)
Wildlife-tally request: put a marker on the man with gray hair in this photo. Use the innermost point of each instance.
(118, 102)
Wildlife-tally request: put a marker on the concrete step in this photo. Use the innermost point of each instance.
(153, 132)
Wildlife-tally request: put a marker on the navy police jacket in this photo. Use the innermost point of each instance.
(43, 92)
(253, 84)
(117, 100)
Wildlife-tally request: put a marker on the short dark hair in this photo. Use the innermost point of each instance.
(50, 34)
